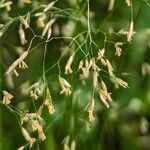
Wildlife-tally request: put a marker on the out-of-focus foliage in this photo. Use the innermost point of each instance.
(126, 124)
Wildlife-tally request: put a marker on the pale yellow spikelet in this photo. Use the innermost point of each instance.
(85, 73)
(48, 27)
(104, 100)
(104, 95)
(73, 145)
(90, 110)
(29, 117)
(91, 63)
(101, 56)
(7, 5)
(130, 33)
(48, 102)
(66, 143)
(110, 68)
(1, 33)
(86, 68)
(80, 65)
(26, 21)
(51, 109)
(19, 62)
(21, 148)
(95, 79)
(22, 35)
(49, 33)
(68, 69)
(49, 6)
(128, 2)
(66, 87)
(27, 137)
(36, 125)
(118, 49)
(103, 86)
(35, 90)
(31, 142)
(121, 82)
(42, 136)
(16, 73)
(40, 20)
(7, 97)
(111, 5)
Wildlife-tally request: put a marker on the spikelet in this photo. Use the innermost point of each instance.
(68, 69)
(118, 49)
(47, 29)
(35, 90)
(111, 5)
(90, 109)
(73, 145)
(110, 68)
(121, 82)
(22, 35)
(66, 87)
(93, 65)
(42, 136)
(104, 95)
(80, 65)
(101, 56)
(36, 126)
(40, 20)
(130, 33)
(85, 70)
(29, 117)
(66, 143)
(95, 79)
(19, 62)
(48, 102)
(25, 21)
(7, 97)
(128, 2)
(7, 5)
(49, 6)
(49, 33)
(27, 137)
(21, 148)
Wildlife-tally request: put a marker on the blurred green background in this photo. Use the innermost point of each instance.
(126, 125)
